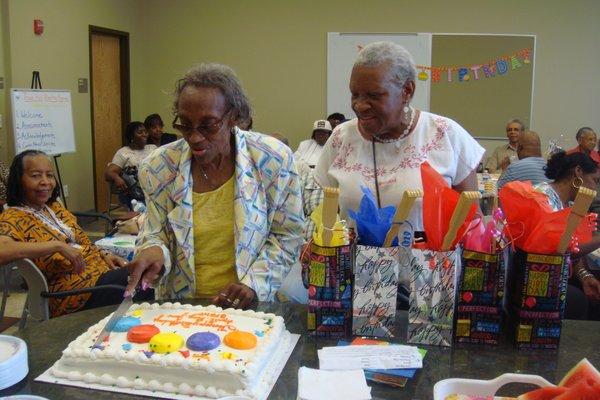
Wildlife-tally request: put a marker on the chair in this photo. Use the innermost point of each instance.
(6, 274)
(112, 190)
(38, 294)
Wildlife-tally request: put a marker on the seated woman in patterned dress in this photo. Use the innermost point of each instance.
(37, 226)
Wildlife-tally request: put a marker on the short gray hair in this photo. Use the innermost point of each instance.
(516, 121)
(220, 77)
(397, 57)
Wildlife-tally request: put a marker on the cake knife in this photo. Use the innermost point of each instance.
(119, 312)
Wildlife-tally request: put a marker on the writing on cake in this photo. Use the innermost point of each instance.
(220, 322)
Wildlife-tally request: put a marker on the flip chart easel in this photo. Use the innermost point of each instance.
(43, 120)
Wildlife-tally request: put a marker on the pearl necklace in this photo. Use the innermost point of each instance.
(406, 131)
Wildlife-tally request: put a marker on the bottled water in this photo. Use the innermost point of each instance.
(486, 175)
(138, 206)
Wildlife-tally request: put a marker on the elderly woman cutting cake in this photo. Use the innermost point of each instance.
(224, 209)
(385, 145)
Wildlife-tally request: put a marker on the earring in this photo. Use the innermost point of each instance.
(579, 183)
(405, 109)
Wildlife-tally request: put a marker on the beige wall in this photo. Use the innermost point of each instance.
(279, 50)
(61, 55)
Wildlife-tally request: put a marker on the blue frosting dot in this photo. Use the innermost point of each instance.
(126, 323)
(126, 346)
(203, 341)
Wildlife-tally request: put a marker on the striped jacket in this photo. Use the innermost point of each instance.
(269, 220)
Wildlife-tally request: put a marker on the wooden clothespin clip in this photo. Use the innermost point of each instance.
(578, 211)
(402, 211)
(330, 209)
(459, 216)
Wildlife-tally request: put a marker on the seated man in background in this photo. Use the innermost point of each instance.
(586, 143)
(504, 154)
(310, 150)
(531, 164)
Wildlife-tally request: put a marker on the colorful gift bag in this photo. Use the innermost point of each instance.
(480, 297)
(377, 271)
(330, 283)
(433, 284)
(537, 288)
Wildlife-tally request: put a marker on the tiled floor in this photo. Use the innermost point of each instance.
(16, 300)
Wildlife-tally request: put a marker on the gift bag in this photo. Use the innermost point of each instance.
(377, 273)
(433, 283)
(329, 284)
(537, 288)
(480, 297)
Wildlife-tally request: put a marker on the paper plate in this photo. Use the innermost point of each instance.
(13, 361)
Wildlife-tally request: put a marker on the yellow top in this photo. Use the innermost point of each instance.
(214, 241)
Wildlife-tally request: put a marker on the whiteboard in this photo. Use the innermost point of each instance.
(342, 49)
(43, 120)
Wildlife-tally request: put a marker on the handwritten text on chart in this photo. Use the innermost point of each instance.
(34, 97)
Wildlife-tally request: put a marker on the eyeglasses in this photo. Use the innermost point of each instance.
(205, 130)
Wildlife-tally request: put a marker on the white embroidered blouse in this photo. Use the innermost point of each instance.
(347, 161)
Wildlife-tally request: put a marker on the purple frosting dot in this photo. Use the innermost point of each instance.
(203, 341)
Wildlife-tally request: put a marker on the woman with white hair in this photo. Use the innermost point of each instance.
(385, 145)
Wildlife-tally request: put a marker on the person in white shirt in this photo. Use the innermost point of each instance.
(310, 150)
(128, 157)
(385, 146)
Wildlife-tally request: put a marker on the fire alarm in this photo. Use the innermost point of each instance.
(38, 26)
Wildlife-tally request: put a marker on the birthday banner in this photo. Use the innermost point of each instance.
(499, 66)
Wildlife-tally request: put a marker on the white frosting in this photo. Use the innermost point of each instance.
(223, 371)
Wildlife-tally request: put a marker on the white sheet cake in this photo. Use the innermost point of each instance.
(184, 349)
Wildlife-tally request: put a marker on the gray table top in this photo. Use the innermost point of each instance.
(46, 341)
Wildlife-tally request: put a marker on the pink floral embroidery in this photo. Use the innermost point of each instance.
(412, 157)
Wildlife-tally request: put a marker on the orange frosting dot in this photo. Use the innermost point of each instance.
(240, 340)
(142, 333)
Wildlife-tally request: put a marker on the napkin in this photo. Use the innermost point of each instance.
(315, 384)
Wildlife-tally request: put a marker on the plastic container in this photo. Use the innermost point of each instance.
(481, 388)
(138, 206)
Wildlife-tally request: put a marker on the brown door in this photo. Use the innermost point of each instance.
(110, 102)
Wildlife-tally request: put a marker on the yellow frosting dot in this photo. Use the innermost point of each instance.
(166, 342)
(240, 340)
(226, 355)
(137, 313)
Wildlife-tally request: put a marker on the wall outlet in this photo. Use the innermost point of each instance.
(66, 190)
